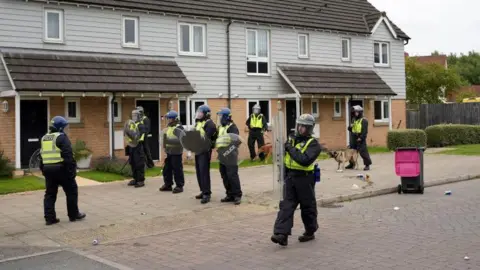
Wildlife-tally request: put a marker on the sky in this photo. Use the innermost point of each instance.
(443, 25)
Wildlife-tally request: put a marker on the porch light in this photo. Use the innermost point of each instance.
(142, 95)
(40, 94)
(5, 106)
(236, 95)
(63, 94)
(104, 94)
(220, 94)
(83, 95)
(123, 94)
(279, 105)
(159, 95)
(170, 105)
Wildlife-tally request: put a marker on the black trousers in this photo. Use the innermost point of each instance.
(255, 135)
(299, 189)
(56, 175)
(231, 180)
(148, 154)
(363, 151)
(202, 167)
(173, 169)
(137, 163)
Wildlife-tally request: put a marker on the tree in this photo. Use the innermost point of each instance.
(427, 83)
(468, 66)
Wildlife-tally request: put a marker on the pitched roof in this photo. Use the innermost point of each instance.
(439, 59)
(335, 81)
(347, 16)
(372, 19)
(90, 73)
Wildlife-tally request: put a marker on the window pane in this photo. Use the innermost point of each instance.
(250, 107)
(185, 38)
(198, 39)
(385, 110)
(262, 67)
(337, 107)
(314, 107)
(130, 31)
(345, 49)
(115, 109)
(183, 111)
(302, 44)
(53, 25)
(378, 110)
(264, 109)
(262, 43)
(376, 53)
(72, 109)
(251, 67)
(252, 44)
(385, 53)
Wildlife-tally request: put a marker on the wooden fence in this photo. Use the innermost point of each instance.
(434, 114)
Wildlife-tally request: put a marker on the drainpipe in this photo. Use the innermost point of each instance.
(229, 76)
(112, 123)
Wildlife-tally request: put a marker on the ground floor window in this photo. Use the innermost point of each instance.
(72, 110)
(264, 108)
(382, 110)
(182, 110)
(337, 108)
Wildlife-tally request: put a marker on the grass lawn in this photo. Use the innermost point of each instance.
(464, 150)
(103, 177)
(378, 150)
(26, 183)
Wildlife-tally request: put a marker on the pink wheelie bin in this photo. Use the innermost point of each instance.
(409, 166)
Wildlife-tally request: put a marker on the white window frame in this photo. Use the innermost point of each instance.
(337, 114)
(349, 50)
(382, 103)
(137, 29)
(307, 46)
(258, 102)
(78, 111)
(315, 114)
(191, 51)
(256, 58)
(381, 64)
(61, 25)
(193, 111)
(118, 118)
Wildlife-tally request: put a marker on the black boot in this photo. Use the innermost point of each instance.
(349, 167)
(367, 168)
(227, 199)
(132, 183)
(237, 200)
(199, 196)
(52, 221)
(79, 216)
(280, 239)
(165, 188)
(306, 237)
(205, 199)
(140, 184)
(177, 190)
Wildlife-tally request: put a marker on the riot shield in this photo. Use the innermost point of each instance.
(278, 142)
(195, 141)
(229, 148)
(131, 133)
(170, 139)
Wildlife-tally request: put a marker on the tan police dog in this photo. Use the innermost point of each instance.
(344, 156)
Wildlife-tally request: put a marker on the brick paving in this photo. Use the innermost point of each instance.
(116, 212)
(430, 231)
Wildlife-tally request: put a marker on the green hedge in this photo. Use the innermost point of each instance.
(452, 134)
(6, 168)
(105, 164)
(406, 138)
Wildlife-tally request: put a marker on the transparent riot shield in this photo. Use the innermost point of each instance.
(195, 141)
(278, 142)
(131, 133)
(229, 148)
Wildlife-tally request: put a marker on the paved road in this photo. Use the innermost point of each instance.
(430, 231)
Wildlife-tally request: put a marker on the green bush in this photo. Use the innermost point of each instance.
(80, 150)
(406, 138)
(106, 164)
(452, 134)
(6, 168)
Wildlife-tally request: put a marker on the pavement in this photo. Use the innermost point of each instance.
(116, 212)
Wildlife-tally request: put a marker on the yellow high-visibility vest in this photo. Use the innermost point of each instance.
(223, 139)
(171, 135)
(256, 121)
(49, 151)
(357, 126)
(199, 127)
(135, 127)
(292, 164)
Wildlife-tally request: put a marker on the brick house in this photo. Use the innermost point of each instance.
(93, 61)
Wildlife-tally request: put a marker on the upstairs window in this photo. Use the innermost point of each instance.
(192, 39)
(130, 32)
(53, 26)
(303, 46)
(346, 50)
(381, 53)
(258, 45)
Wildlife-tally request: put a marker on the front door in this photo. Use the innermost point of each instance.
(33, 125)
(151, 108)
(291, 115)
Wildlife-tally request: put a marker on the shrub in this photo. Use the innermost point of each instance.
(80, 150)
(106, 164)
(452, 134)
(6, 168)
(406, 138)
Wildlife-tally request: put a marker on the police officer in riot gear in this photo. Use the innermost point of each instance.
(301, 151)
(358, 131)
(173, 168)
(257, 124)
(229, 168)
(208, 130)
(146, 146)
(137, 153)
(60, 169)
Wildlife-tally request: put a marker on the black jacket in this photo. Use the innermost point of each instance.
(264, 123)
(147, 123)
(363, 135)
(69, 162)
(210, 131)
(309, 156)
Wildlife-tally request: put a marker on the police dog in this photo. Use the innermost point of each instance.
(344, 156)
(266, 150)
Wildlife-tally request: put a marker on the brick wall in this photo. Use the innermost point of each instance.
(7, 129)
